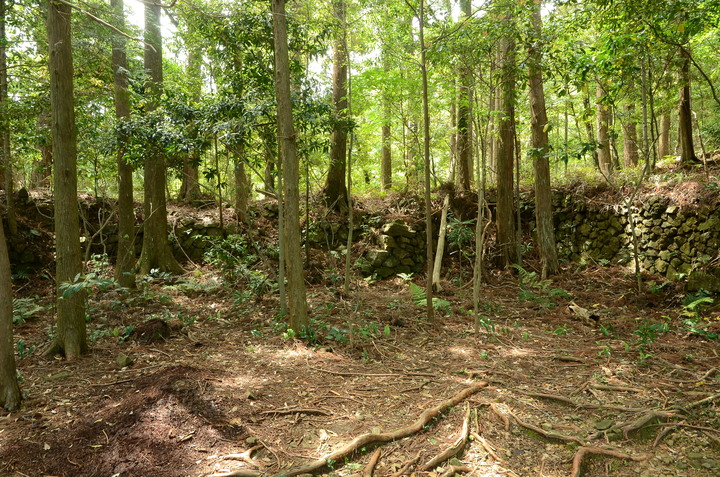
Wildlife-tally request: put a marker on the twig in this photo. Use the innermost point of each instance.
(700, 402)
(585, 450)
(488, 448)
(370, 467)
(608, 387)
(319, 412)
(454, 449)
(367, 439)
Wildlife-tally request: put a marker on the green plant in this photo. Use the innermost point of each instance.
(25, 308)
(486, 322)
(23, 350)
(124, 334)
(693, 319)
(419, 298)
(562, 330)
(88, 283)
(533, 289)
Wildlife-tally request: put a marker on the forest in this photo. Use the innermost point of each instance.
(359, 237)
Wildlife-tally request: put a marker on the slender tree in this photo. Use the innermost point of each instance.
(9, 388)
(685, 133)
(335, 191)
(386, 161)
(464, 118)
(630, 137)
(296, 297)
(541, 150)
(190, 186)
(505, 149)
(6, 166)
(602, 118)
(156, 252)
(70, 335)
(125, 263)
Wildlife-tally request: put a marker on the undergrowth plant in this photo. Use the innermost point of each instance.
(693, 317)
(419, 298)
(536, 290)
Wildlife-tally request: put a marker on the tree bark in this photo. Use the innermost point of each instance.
(156, 252)
(630, 139)
(242, 188)
(10, 395)
(386, 160)
(190, 186)
(504, 154)
(541, 151)
(664, 147)
(297, 301)
(6, 167)
(464, 118)
(70, 335)
(603, 119)
(335, 191)
(125, 263)
(687, 149)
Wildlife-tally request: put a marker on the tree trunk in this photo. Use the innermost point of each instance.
(687, 149)
(664, 138)
(504, 155)
(6, 167)
(70, 335)
(297, 301)
(125, 263)
(464, 118)
(630, 146)
(190, 187)
(242, 188)
(426, 157)
(386, 161)
(9, 388)
(603, 135)
(541, 152)
(41, 173)
(335, 191)
(156, 252)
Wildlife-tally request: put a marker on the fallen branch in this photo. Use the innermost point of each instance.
(488, 448)
(588, 450)
(365, 440)
(454, 449)
(281, 412)
(370, 468)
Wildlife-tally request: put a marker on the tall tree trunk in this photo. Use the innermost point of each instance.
(664, 137)
(630, 138)
(504, 153)
(190, 186)
(242, 187)
(386, 161)
(156, 252)
(9, 388)
(335, 191)
(426, 156)
(297, 300)
(125, 263)
(603, 136)
(464, 118)
(541, 152)
(6, 167)
(70, 335)
(41, 174)
(687, 149)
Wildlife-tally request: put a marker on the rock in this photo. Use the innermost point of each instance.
(397, 229)
(123, 360)
(704, 280)
(376, 257)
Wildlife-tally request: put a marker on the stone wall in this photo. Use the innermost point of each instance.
(401, 250)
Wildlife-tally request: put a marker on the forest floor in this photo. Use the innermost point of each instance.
(580, 375)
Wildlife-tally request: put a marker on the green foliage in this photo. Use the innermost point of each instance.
(692, 317)
(232, 257)
(533, 289)
(85, 283)
(25, 308)
(419, 298)
(23, 350)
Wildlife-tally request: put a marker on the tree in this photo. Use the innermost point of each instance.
(70, 335)
(685, 132)
(335, 191)
(386, 159)
(297, 301)
(464, 119)
(156, 252)
(602, 118)
(505, 148)
(541, 150)
(190, 187)
(9, 388)
(125, 263)
(5, 156)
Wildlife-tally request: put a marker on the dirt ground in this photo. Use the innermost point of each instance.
(580, 376)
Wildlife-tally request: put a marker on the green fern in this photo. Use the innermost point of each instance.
(419, 297)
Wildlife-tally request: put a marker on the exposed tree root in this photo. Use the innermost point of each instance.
(547, 434)
(583, 405)
(488, 447)
(588, 450)
(367, 439)
(456, 469)
(406, 466)
(499, 413)
(454, 449)
(370, 468)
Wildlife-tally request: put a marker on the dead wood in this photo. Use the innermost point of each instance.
(488, 447)
(454, 449)
(456, 469)
(547, 434)
(406, 466)
(281, 412)
(589, 450)
(370, 468)
(367, 439)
